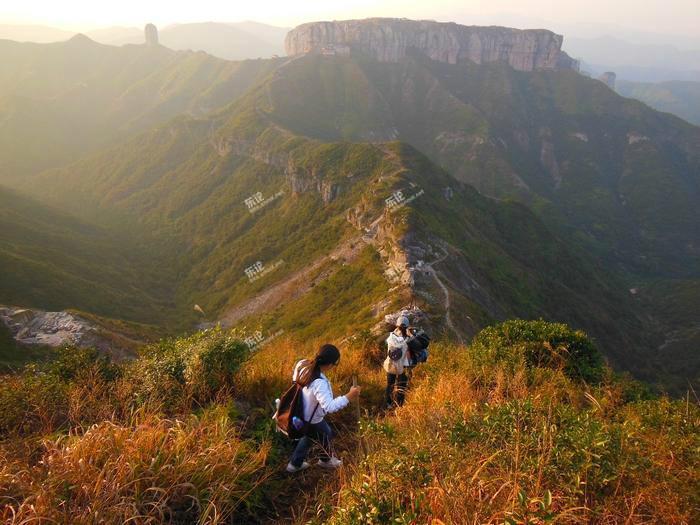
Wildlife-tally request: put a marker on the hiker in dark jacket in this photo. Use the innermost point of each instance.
(397, 362)
(318, 401)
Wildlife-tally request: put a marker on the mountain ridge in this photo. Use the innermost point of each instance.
(105, 94)
(322, 132)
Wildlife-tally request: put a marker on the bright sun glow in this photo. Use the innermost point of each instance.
(669, 16)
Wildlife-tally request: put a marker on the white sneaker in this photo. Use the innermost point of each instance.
(331, 463)
(292, 469)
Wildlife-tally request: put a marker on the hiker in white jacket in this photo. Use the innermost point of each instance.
(396, 362)
(318, 401)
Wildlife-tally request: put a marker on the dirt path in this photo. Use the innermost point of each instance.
(294, 286)
(446, 303)
(300, 282)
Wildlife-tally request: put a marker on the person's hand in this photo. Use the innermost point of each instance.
(353, 393)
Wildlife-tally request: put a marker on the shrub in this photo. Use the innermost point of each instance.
(199, 365)
(82, 386)
(541, 344)
(70, 363)
(39, 398)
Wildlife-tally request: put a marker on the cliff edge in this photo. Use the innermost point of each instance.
(390, 39)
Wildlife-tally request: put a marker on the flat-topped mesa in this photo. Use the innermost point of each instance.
(390, 39)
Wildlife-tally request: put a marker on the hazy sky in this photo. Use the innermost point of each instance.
(659, 16)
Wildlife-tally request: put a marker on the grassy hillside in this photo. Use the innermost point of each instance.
(190, 185)
(102, 94)
(54, 261)
(677, 97)
(187, 182)
(620, 177)
(617, 180)
(517, 443)
(521, 268)
(525, 424)
(188, 193)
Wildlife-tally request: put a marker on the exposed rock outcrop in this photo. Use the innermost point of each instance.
(608, 78)
(300, 177)
(56, 329)
(390, 40)
(151, 34)
(416, 317)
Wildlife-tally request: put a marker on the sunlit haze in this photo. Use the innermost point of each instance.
(680, 17)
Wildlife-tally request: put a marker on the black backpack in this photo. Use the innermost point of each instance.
(418, 346)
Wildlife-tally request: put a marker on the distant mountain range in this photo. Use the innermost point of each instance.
(102, 93)
(631, 60)
(681, 98)
(34, 33)
(635, 62)
(659, 75)
(234, 41)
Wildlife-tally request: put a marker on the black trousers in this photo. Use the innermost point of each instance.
(396, 384)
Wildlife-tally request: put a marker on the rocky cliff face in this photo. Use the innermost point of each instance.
(151, 35)
(389, 40)
(300, 177)
(55, 329)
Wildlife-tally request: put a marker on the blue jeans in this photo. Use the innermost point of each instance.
(320, 432)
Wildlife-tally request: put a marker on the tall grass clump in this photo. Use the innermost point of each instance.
(197, 367)
(45, 397)
(153, 440)
(80, 386)
(194, 470)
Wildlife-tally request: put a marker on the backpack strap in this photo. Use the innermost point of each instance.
(317, 403)
(313, 413)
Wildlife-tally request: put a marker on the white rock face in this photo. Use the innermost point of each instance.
(633, 138)
(56, 329)
(32, 327)
(390, 40)
(415, 316)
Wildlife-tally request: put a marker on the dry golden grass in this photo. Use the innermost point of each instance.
(476, 442)
(194, 470)
(487, 446)
(268, 372)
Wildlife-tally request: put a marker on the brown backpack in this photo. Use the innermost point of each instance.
(291, 406)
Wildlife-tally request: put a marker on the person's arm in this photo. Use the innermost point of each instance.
(324, 395)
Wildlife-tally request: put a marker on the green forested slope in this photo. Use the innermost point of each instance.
(612, 181)
(59, 101)
(621, 177)
(682, 98)
(54, 261)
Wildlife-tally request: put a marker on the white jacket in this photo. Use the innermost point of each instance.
(319, 393)
(396, 340)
